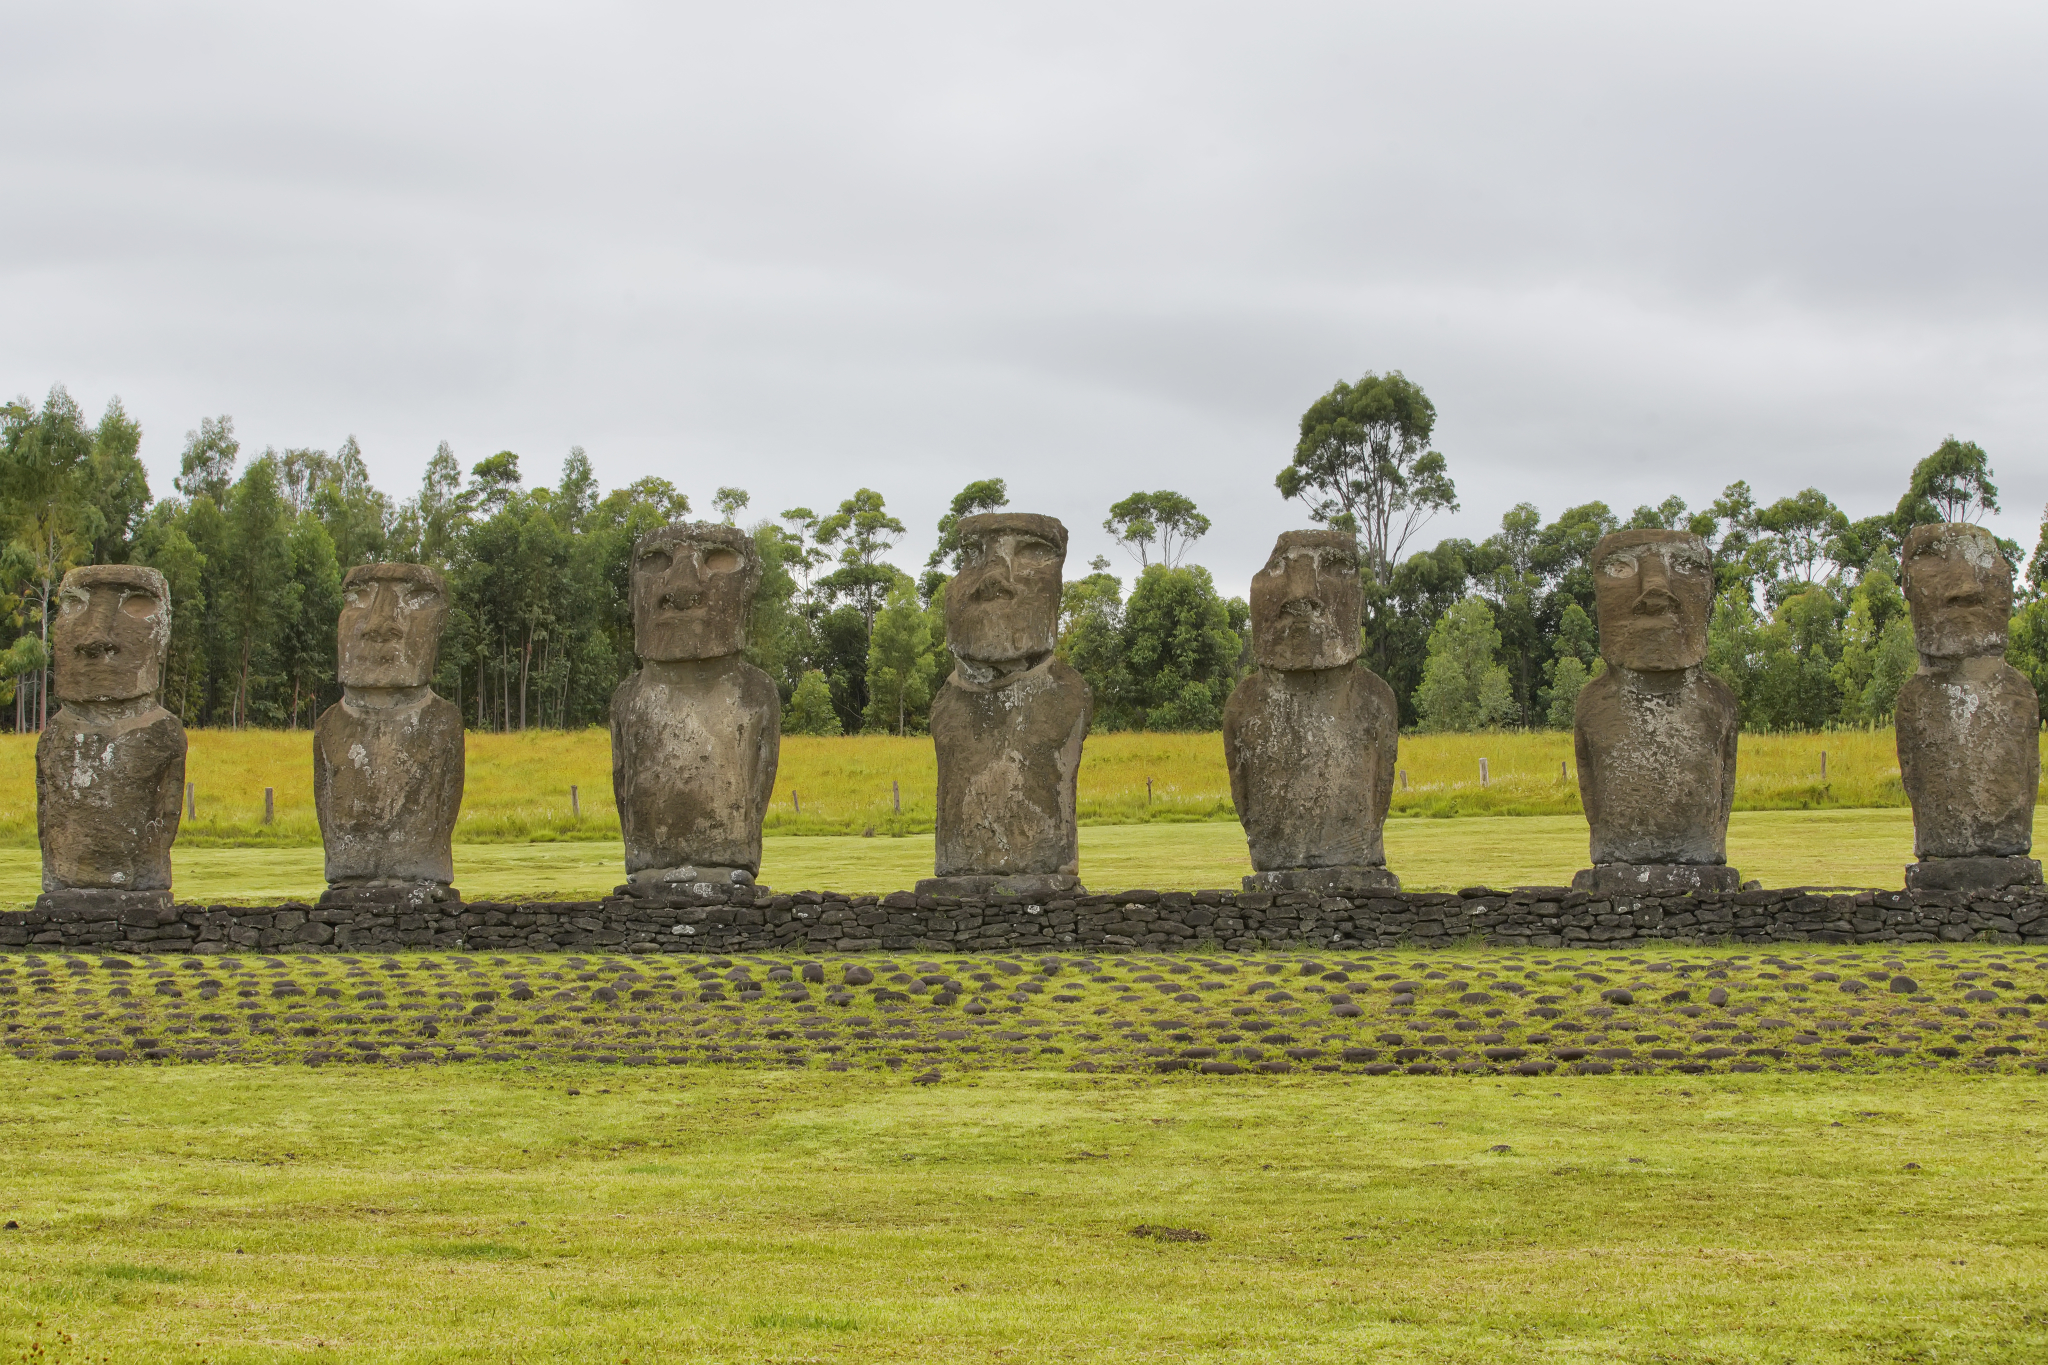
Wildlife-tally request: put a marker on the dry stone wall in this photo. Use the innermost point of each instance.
(754, 919)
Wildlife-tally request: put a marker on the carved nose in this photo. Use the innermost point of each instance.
(1304, 606)
(682, 601)
(383, 630)
(1965, 597)
(1655, 601)
(101, 648)
(993, 588)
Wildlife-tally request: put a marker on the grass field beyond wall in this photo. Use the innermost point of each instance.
(519, 784)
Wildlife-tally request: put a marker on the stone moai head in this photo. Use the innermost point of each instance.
(1959, 587)
(113, 625)
(1654, 590)
(390, 629)
(692, 585)
(1004, 604)
(1307, 601)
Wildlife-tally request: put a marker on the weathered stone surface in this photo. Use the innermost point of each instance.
(1972, 874)
(1309, 738)
(388, 762)
(1008, 724)
(110, 766)
(1967, 723)
(1656, 879)
(697, 732)
(1655, 734)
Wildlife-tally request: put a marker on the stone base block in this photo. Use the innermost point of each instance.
(661, 881)
(1029, 885)
(1972, 874)
(134, 907)
(1328, 881)
(397, 896)
(1656, 879)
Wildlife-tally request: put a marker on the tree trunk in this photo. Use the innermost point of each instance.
(525, 666)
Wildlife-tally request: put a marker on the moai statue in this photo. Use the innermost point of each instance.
(388, 757)
(110, 766)
(1008, 723)
(1968, 722)
(1656, 732)
(1309, 738)
(696, 733)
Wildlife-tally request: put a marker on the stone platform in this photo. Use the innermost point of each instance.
(753, 919)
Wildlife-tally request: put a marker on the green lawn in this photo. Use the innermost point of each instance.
(579, 1214)
(1861, 848)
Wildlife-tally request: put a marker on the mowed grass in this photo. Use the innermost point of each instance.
(518, 786)
(1852, 848)
(491, 1212)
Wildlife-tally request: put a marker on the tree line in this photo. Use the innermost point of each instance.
(1809, 625)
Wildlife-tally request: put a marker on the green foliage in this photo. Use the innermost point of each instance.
(900, 663)
(810, 708)
(1176, 656)
(864, 531)
(1949, 485)
(1877, 651)
(1165, 516)
(1462, 687)
(2027, 649)
(1363, 463)
(1809, 530)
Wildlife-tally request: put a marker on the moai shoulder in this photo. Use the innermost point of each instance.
(1967, 722)
(697, 731)
(110, 766)
(1310, 737)
(1656, 734)
(1009, 723)
(388, 758)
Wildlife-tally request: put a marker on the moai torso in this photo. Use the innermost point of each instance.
(1657, 766)
(110, 766)
(1310, 738)
(109, 787)
(694, 750)
(1009, 759)
(388, 761)
(1968, 723)
(696, 733)
(387, 786)
(1656, 733)
(1311, 757)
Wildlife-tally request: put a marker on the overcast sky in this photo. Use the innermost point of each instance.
(1627, 249)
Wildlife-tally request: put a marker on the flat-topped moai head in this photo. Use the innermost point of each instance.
(1654, 591)
(693, 582)
(1959, 588)
(1307, 602)
(390, 628)
(113, 625)
(1003, 607)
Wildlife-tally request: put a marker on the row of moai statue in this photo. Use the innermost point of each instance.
(1309, 738)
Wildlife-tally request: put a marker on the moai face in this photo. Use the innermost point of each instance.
(1959, 588)
(1004, 604)
(1654, 590)
(1306, 602)
(113, 625)
(692, 585)
(390, 630)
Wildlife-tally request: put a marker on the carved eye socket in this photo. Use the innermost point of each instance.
(415, 598)
(1618, 566)
(71, 601)
(656, 561)
(721, 560)
(140, 605)
(1034, 552)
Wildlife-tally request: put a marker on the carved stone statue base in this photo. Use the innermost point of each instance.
(657, 881)
(1972, 874)
(398, 895)
(1329, 881)
(1029, 885)
(1656, 879)
(98, 902)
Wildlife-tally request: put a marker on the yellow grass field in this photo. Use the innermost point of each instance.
(519, 785)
